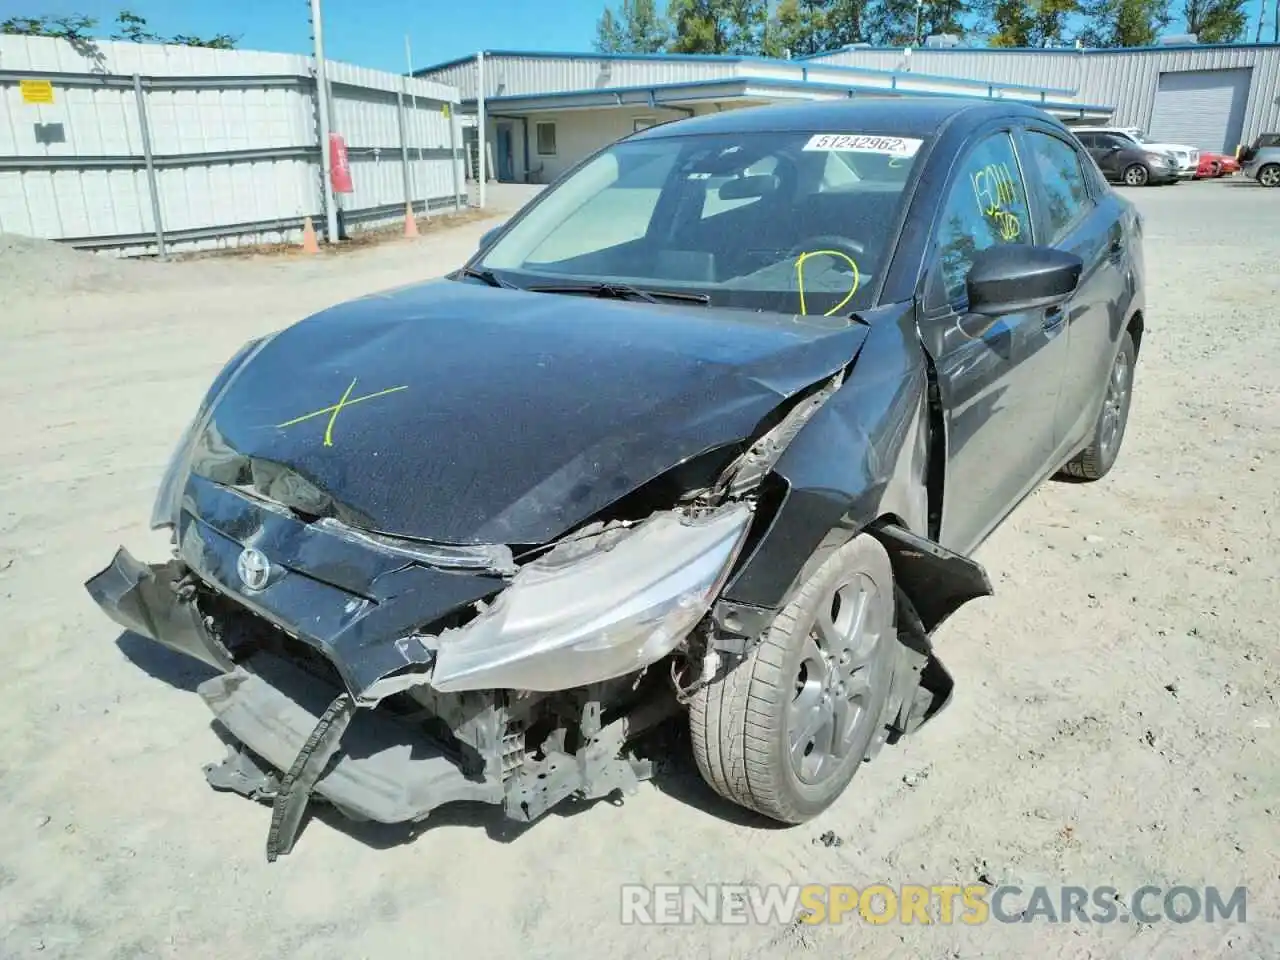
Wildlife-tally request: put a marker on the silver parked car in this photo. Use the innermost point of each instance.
(1261, 160)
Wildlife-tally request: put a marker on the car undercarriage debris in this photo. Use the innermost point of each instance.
(387, 772)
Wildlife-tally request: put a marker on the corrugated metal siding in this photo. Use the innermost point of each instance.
(1048, 69)
(1131, 80)
(207, 193)
(1124, 79)
(512, 76)
(507, 75)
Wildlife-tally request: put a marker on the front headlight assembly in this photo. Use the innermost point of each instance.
(168, 503)
(573, 618)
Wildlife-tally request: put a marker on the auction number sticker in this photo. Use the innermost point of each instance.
(864, 143)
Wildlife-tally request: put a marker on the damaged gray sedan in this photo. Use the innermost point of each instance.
(712, 426)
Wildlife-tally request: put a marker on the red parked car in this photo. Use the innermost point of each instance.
(1216, 165)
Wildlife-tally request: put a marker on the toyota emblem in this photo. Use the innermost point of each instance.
(254, 568)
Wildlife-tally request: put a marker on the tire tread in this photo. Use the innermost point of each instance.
(734, 721)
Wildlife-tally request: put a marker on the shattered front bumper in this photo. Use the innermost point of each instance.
(144, 598)
(292, 734)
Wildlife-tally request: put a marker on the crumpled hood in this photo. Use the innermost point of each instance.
(457, 413)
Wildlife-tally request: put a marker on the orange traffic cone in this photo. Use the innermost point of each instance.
(410, 221)
(309, 243)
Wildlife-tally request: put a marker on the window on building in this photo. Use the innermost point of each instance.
(987, 205)
(546, 139)
(1065, 191)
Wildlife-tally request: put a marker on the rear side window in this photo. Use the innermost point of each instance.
(987, 205)
(1063, 188)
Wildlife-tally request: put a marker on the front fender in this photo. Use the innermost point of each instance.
(862, 456)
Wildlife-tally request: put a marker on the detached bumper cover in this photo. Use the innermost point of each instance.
(290, 737)
(144, 598)
(382, 772)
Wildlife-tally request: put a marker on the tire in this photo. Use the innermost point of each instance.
(1269, 175)
(743, 724)
(1135, 175)
(1215, 169)
(1096, 460)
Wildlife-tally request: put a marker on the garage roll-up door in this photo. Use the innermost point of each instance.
(1203, 108)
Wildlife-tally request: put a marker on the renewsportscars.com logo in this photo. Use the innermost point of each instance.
(972, 904)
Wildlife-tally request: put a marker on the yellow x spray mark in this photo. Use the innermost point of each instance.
(333, 411)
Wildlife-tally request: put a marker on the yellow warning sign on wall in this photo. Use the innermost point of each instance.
(36, 91)
(445, 109)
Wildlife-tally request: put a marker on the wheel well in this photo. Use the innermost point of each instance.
(1135, 328)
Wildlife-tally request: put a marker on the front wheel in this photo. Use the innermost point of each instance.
(1136, 175)
(1097, 459)
(1269, 176)
(786, 729)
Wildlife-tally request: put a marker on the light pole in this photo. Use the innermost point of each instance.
(322, 109)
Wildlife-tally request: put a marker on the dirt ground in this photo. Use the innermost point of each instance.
(1116, 720)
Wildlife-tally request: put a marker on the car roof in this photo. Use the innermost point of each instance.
(886, 116)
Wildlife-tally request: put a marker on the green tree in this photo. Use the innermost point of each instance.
(812, 26)
(718, 26)
(73, 27)
(637, 28)
(1124, 23)
(795, 29)
(845, 23)
(1216, 21)
(609, 37)
(893, 22)
(1018, 23)
(129, 26)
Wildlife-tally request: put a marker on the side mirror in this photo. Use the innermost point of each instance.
(1011, 278)
(487, 237)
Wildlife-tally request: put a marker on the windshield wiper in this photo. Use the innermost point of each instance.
(621, 291)
(489, 277)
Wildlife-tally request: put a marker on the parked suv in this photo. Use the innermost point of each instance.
(1186, 157)
(1261, 160)
(1121, 161)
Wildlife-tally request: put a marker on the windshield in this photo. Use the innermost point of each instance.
(792, 222)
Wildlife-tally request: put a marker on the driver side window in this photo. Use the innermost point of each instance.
(987, 205)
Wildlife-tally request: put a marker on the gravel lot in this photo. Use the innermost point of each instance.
(1116, 719)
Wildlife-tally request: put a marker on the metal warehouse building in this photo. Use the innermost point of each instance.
(545, 111)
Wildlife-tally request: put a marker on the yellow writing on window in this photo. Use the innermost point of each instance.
(994, 189)
(857, 277)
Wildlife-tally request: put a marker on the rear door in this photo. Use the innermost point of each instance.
(999, 378)
(1072, 212)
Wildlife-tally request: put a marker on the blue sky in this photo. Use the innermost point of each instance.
(371, 32)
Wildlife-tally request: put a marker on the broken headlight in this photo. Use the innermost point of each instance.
(169, 497)
(573, 618)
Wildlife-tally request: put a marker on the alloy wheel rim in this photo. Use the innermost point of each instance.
(1113, 405)
(1270, 176)
(832, 685)
(1136, 176)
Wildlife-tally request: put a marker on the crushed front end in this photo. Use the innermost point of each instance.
(388, 677)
